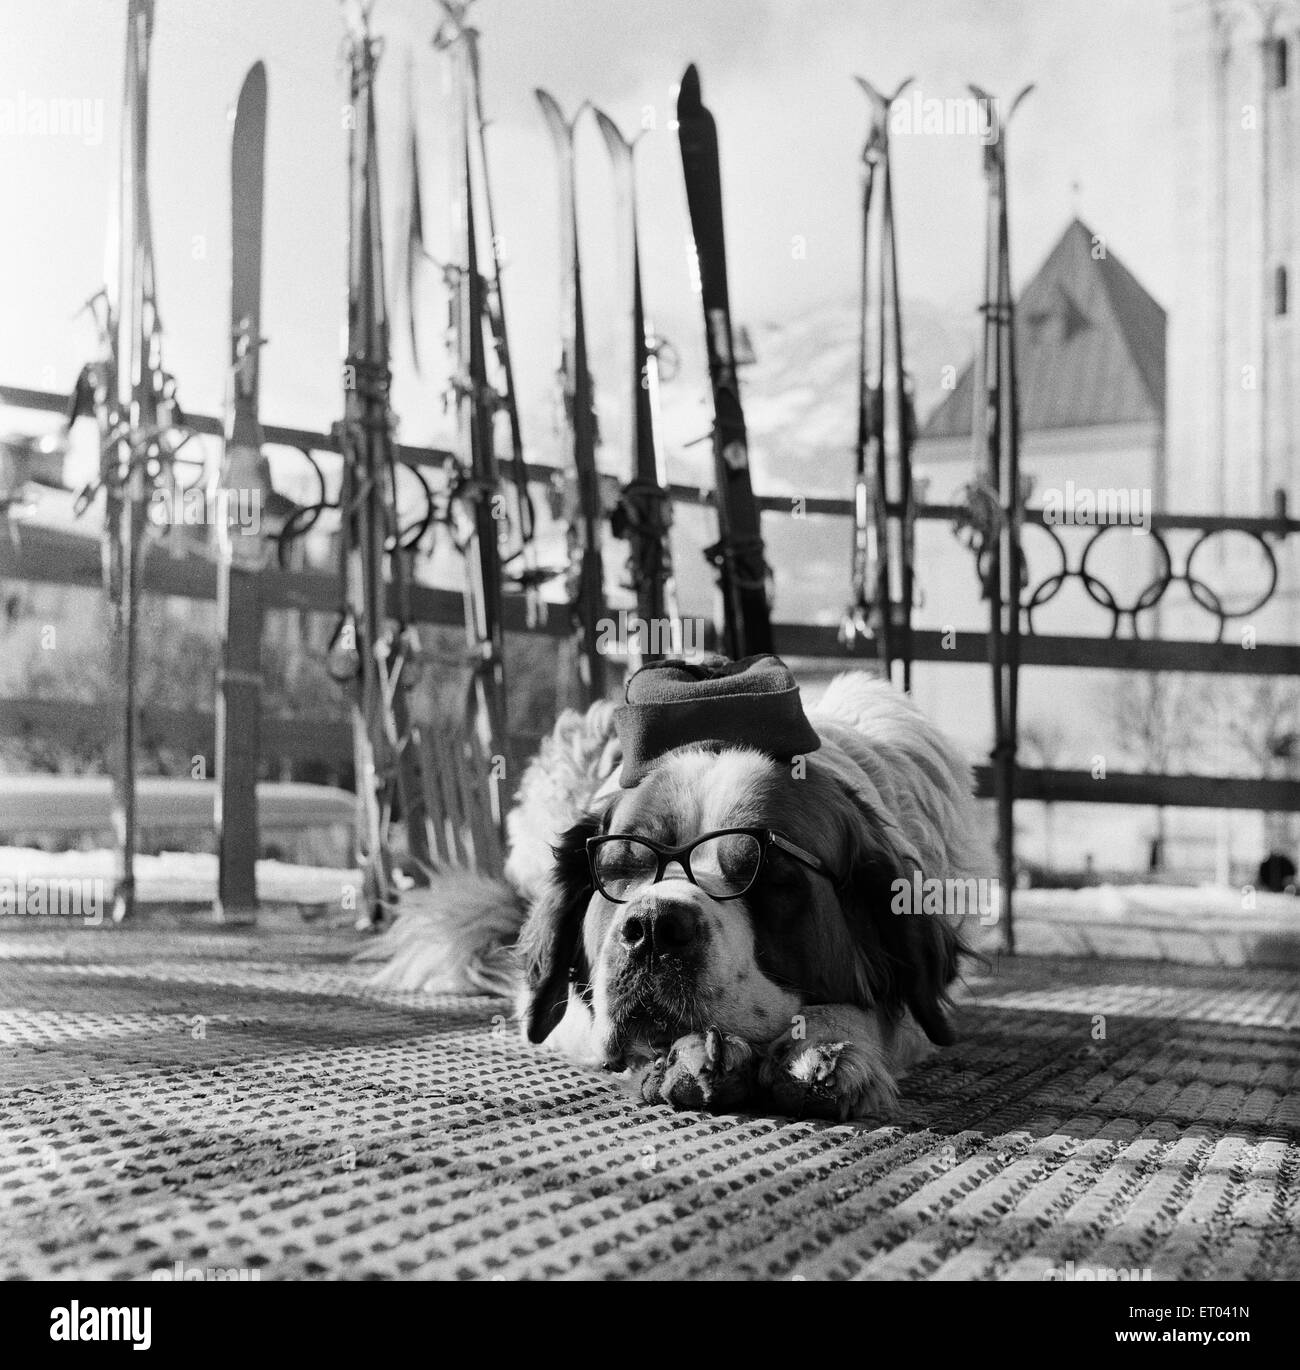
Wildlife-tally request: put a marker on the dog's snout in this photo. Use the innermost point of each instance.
(660, 927)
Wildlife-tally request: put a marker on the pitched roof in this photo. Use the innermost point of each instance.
(1090, 346)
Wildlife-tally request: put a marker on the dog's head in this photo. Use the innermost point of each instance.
(675, 955)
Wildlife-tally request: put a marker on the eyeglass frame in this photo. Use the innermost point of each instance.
(767, 837)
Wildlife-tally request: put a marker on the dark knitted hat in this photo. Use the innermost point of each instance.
(750, 703)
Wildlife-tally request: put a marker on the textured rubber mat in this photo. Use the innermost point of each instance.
(239, 1104)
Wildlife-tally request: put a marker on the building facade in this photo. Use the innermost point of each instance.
(1234, 364)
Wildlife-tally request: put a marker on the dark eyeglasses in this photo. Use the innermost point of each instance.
(724, 864)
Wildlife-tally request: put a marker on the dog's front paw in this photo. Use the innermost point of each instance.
(827, 1078)
(709, 1070)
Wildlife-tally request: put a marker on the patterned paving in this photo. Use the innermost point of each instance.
(238, 1101)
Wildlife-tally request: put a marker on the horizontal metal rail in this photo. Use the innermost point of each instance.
(83, 803)
(45, 401)
(291, 737)
(54, 556)
(1080, 653)
(288, 736)
(1155, 791)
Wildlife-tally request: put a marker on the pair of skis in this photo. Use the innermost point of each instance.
(478, 329)
(522, 569)
(643, 514)
(133, 401)
(479, 300)
(373, 651)
(996, 429)
(884, 511)
(586, 581)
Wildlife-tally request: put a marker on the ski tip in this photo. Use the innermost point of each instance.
(617, 145)
(870, 91)
(688, 93)
(875, 96)
(551, 108)
(1015, 104)
(251, 103)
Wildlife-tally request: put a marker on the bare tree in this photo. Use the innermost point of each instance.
(1043, 738)
(1160, 723)
(1260, 721)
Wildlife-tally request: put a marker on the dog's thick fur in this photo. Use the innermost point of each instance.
(808, 995)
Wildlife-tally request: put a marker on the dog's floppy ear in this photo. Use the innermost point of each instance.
(910, 956)
(551, 940)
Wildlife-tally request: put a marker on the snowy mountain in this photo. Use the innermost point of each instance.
(800, 397)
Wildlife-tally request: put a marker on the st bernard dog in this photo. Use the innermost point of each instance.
(734, 929)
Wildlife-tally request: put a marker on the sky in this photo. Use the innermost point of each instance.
(1095, 139)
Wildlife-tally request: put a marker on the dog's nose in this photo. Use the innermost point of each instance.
(660, 927)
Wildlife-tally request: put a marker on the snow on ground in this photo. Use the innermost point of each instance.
(179, 877)
(1200, 925)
